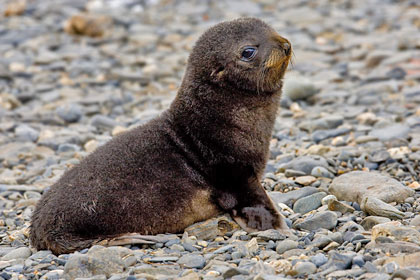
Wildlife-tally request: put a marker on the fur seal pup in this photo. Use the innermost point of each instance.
(203, 156)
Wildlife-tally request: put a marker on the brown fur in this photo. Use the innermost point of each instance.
(209, 149)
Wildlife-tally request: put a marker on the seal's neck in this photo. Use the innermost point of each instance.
(227, 124)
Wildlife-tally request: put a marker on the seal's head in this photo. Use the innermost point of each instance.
(246, 54)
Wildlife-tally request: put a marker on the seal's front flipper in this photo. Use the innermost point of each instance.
(258, 218)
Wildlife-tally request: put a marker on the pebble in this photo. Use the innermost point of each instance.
(355, 186)
(326, 220)
(286, 245)
(192, 261)
(372, 221)
(319, 259)
(308, 203)
(290, 197)
(339, 261)
(70, 113)
(305, 180)
(297, 88)
(18, 253)
(396, 231)
(305, 268)
(26, 133)
(338, 206)
(390, 132)
(103, 122)
(377, 207)
(320, 171)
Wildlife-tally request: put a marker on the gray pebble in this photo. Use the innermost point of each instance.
(19, 253)
(320, 171)
(308, 203)
(192, 261)
(326, 220)
(319, 259)
(70, 113)
(286, 245)
(305, 268)
(26, 133)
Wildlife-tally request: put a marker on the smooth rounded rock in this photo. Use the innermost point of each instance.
(308, 203)
(286, 245)
(305, 268)
(192, 261)
(356, 185)
(19, 253)
(70, 113)
(326, 220)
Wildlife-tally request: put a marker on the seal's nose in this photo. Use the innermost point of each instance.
(283, 44)
(287, 48)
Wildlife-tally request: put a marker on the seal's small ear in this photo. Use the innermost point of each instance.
(217, 74)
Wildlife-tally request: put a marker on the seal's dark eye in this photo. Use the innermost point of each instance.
(248, 53)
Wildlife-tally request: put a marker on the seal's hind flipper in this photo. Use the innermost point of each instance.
(135, 239)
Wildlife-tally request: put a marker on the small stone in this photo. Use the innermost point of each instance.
(70, 113)
(396, 231)
(298, 88)
(339, 261)
(232, 271)
(101, 121)
(192, 261)
(321, 135)
(377, 207)
(415, 221)
(8, 101)
(98, 260)
(356, 185)
(319, 259)
(379, 156)
(26, 133)
(326, 220)
(338, 206)
(333, 245)
(305, 180)
(405, 260)
(304, 268)
(319, 171)
(15, 8)
(67, 147)
(286, 245)
(88, 25)
(19, 253)
(368, 118)
(163, 259)
(91, 145)
(414, 185)
(252, 246)
(409, 273)
(308, 203)
(270, 234)
(305, 164)
(290, 197)
(320, 241)
(118, 130)
(369, 222)
(293, 173)
(327, 199)
(359, 261)
(391, 132)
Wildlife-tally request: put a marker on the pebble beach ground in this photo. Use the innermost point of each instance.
(345, 153)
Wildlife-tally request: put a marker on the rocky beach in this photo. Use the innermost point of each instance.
(344, 167)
